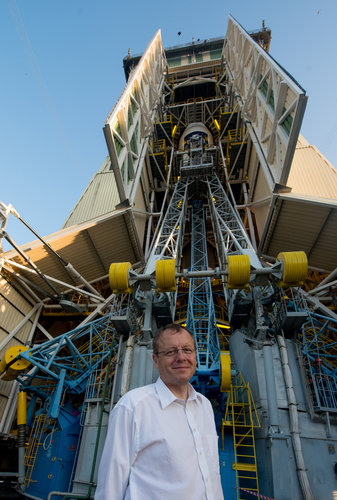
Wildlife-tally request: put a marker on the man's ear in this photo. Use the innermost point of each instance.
(155, 360)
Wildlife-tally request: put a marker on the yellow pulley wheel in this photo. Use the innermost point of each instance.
(119, 277)
(238, 268)
(225, 363)
(166, 275)
(295, 268)
(14, 369)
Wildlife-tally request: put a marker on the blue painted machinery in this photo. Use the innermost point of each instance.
(201, 318)
(64, 373)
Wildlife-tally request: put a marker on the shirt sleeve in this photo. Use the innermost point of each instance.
(117, 456)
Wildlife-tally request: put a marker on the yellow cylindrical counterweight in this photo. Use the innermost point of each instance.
(22, 408)
(295, 268)
(11, 367)
(166, 275)
(238, 268)
(225, 363)
(119, 277)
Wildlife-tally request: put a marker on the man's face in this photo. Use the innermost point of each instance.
(175, 371)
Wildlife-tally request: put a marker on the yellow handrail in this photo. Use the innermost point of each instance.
(241, 415)
(39, 426)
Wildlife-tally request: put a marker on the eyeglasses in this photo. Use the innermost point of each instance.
(188, 351)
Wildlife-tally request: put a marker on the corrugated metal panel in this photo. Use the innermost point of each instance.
(306, 217)
(3, 403)
(261, 186)
(13, 308)
(8, 322)
(99, 198)
(261, 214)
(18, 296)
(324, 252)
(5, 389)
(140, 222)
(288, 234)
(311, 174)
(300, 225)
(90, 247)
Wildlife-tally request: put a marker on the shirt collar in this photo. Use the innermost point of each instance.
(166, 397)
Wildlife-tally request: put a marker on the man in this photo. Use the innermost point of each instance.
(162, 442)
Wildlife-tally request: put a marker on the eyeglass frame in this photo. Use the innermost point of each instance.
(176, 350)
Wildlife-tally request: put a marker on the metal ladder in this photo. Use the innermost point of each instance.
(242, 417)
(195, 112)
(39, 427)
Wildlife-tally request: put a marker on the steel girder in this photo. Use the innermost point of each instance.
(168, 242)
(230, 235)
(69, 358)
(201, 319)
(231, 239)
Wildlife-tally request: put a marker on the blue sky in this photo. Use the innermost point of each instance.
(61, 73)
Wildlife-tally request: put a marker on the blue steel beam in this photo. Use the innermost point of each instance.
(71, 357)
(201, 319)
(319, 350)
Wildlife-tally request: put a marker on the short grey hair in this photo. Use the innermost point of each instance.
(176, 327)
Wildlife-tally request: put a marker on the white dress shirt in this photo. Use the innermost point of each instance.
(159, 447)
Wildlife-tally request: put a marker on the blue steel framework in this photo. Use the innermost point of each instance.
(319, 350)
(75, 364)
(62, 366)
(201, 319)
(318, 346)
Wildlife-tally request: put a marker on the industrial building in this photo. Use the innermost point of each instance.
(210, 210)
